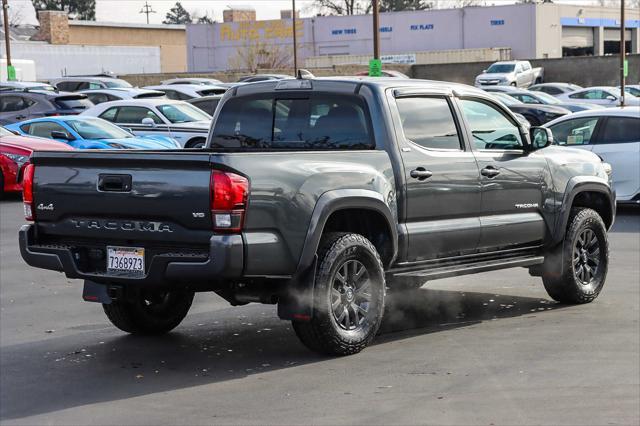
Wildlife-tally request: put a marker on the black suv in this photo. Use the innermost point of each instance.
(19, 105)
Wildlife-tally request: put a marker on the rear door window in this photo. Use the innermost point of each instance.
(77, 103)
(429, 122)
(134, 115)
(14, 103)
(67, 86)
(551, 90)
(574, 132)
(316, 122)
(43, 129)
(620, 130)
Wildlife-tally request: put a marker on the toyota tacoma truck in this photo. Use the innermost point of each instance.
(320, 196)
(510, 73)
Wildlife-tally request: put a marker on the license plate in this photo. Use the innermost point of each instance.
(127, 261)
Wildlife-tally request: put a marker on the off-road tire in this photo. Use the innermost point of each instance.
(323, 333)
(138, 316)
(560, 277)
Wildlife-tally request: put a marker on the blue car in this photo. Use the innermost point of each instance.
(82, 132)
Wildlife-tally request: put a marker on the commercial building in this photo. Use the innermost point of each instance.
(529, 30)
(61, 46)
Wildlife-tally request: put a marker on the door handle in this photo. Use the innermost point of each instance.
(420, 173)
(20, 117)
(114, 183)
(490, 171)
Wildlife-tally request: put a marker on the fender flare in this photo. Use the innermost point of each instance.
(575, 186)
(296, 302)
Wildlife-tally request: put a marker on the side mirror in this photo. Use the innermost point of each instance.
(147, 121)
(484, 71)
(61, 135)
(540, 137)
(610, 98)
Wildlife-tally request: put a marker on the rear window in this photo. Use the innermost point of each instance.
(317, 122)
(74, 102)
(208, 105)
(209, 92)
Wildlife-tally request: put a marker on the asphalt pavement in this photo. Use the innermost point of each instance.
(486, 349)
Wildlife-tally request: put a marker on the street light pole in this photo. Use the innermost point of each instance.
(7, 32)
(295, 41)
(376, 29)
(622, 52)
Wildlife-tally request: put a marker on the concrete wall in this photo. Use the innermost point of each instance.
(56, 60)
(172, 40)
(602, 70)
(433, 57)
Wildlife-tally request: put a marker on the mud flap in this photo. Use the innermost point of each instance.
(296, 301)
(94, 292)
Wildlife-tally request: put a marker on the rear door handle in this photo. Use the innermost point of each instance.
(490, 171)
(420, 173)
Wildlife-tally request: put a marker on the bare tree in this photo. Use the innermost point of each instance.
(15, 17)
(257, 54)
(342, 7)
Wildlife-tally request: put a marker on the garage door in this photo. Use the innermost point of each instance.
(577, 37)
(612, 34)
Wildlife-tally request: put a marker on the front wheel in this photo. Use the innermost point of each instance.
(349, 296)
(576, 271)
(149, 312)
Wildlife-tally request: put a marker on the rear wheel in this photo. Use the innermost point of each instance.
(149, 312)
(196, 143)
(576, 271)
(349, 296)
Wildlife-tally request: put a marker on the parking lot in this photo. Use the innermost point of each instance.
(483, 349)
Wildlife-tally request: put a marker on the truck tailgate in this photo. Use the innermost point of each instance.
(155, 197)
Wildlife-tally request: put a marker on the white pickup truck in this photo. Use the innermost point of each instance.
(510, 73)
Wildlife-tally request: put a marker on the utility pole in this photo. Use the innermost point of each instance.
(376, 29)
(7, 39)
(147, 9)
(295, 40)
(623, 55)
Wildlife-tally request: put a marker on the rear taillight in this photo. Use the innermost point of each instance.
(27, 191)
(229, 193)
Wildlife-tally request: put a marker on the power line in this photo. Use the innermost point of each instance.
(147, 9)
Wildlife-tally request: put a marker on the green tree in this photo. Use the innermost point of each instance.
(400, 5)
(76, 9)
(177, 15)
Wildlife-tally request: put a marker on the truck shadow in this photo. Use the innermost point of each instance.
(100, 364)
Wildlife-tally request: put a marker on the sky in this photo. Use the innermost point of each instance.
(128, 10)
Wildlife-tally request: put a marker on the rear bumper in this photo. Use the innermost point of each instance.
(225, 262)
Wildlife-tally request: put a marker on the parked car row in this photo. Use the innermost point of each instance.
(143, 118)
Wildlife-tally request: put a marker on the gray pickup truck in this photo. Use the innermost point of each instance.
(322, 195)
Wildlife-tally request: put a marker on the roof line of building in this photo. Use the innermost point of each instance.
(126, 25)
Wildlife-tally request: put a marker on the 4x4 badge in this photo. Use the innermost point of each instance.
(47, 207)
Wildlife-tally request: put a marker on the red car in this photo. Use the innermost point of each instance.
(14, 155)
